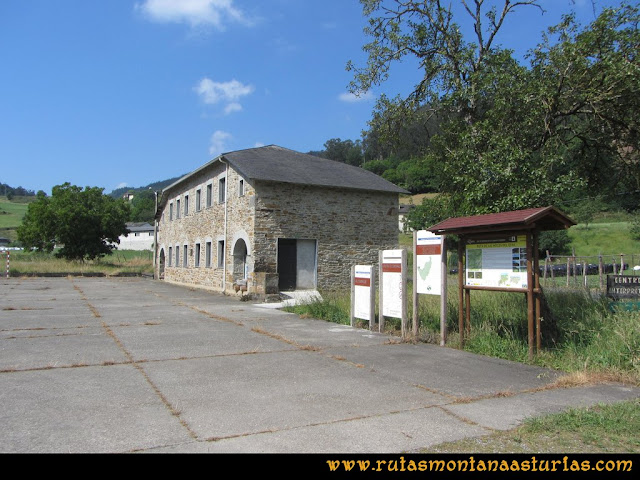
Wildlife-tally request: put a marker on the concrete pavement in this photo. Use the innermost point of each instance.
(136, 365)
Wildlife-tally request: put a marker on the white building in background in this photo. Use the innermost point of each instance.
(140, 237)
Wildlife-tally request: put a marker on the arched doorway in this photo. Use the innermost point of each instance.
(161, 265)
(240, 260)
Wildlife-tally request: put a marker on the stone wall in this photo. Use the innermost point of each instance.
(350, 227)
(206, 226)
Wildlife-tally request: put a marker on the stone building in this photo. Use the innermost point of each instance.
(269, 219)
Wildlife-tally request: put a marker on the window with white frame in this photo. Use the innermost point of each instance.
(196, 260)
(241, 188)
(185, 257)
(178, 208)
(170, 255)
(209, 194)
(186, 205)
(171, 211)
(177, 255)
(198, 199)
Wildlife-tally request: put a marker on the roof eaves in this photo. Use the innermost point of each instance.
(191, 174)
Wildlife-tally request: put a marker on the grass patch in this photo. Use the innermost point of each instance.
(599, 429)
(334, 307)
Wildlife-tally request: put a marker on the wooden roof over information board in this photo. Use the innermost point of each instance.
(542, 218)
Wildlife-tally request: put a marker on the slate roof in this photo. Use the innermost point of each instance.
(139, 227)
(544, 218)
(276, 164)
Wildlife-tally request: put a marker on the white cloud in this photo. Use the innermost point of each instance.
(211, 92)
(352, 98)
(218, 143)
(232, 107)
(193, 12)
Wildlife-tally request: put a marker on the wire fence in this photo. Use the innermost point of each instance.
(586, 271)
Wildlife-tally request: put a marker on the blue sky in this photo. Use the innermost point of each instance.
(111, 93)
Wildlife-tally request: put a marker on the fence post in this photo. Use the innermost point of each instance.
(600, 272)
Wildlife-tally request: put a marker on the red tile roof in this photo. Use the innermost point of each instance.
(544, 218)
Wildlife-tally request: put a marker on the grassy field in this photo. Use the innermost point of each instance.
(120, 262)
(606, 238)
(11, 214)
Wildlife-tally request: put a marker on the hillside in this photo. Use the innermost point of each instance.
(119, 192)
(11, 214)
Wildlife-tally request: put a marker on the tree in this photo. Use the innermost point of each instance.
(143, 206)
(511, 136)
(345, 151)
(84, 222)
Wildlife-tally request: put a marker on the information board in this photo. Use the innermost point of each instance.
(428, 263)
(392, 283)
(498, 262)
(362, 292)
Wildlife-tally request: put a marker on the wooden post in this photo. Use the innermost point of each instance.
(415, 318)
(584, 272)
(600, 271)
(353, 294)
(372, 299)
(403, 289)
(380, 295)
(461, 289)
(538, 294)
(443, 295)
(621, 263)
(530, 313)
(568, 269)
(467, 301)
(553, 281)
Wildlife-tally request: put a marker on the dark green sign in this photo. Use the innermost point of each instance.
(621, 287)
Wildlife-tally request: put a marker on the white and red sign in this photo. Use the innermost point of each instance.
(392, 289)
(428, 255)
(362, 292)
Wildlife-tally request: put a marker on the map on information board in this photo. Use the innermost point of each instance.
(499, 262)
